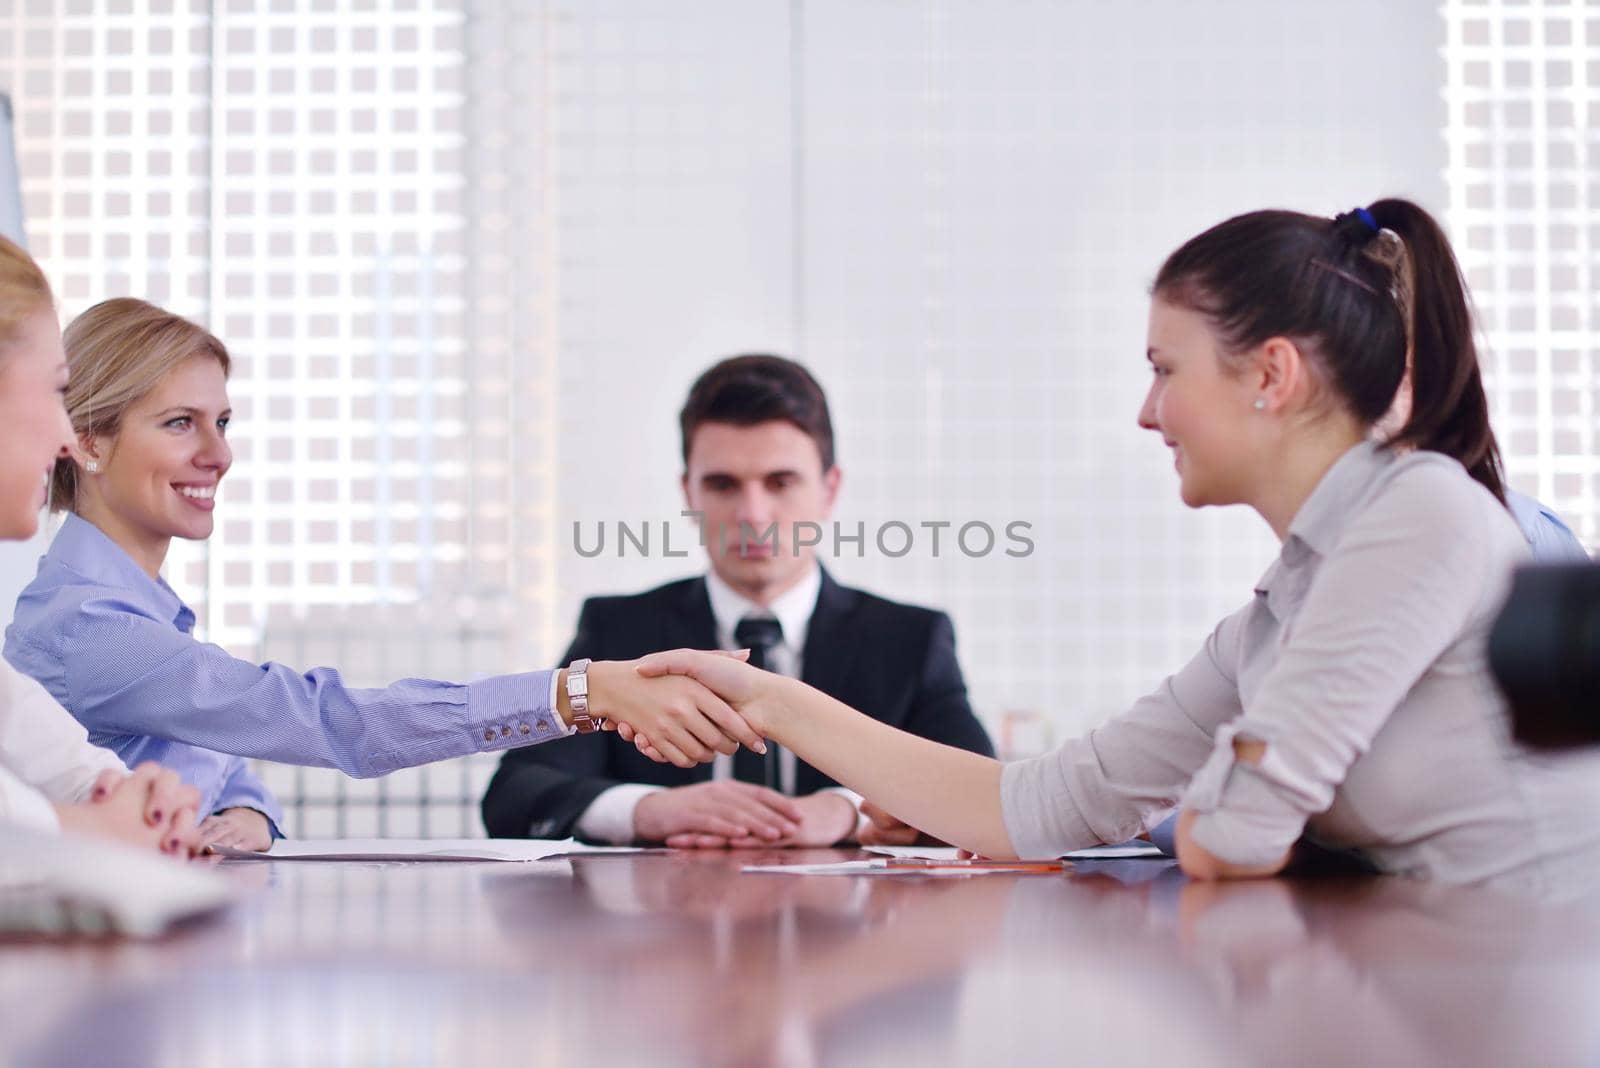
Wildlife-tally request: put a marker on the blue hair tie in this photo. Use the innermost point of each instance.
(1366, 216)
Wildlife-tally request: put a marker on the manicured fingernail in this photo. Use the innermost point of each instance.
(761, 747)
(155, 816)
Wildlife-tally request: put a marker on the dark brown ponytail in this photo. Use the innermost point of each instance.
(1449, 409)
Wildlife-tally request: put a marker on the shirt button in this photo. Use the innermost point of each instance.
(488, 735)
(524, 728)
(544, 725)
(505, 732)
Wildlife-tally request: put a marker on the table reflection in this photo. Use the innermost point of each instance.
(683, 959)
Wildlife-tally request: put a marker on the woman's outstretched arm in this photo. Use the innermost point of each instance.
(949, 793)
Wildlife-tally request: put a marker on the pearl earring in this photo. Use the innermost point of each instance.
(92, 466)
(1260, 404)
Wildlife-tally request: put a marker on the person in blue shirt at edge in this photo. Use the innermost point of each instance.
(111, 641)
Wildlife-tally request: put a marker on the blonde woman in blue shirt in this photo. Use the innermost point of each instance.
(1349, 699)
(106, 635)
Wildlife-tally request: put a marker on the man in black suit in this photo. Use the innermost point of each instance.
(759, 470)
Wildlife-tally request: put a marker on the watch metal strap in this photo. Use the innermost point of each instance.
(578, 694)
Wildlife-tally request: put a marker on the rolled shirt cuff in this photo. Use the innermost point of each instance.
(1041, 815)
(1241, 816)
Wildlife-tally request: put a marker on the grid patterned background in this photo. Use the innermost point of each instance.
(1524, 97)
(398, 214)
(328, 186)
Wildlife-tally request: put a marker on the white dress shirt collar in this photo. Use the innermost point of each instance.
(792, 608)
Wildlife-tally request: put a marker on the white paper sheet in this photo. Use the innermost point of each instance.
(458, 849)
(880, 867)
(1116, 852)
(869, 867)
(915, 852)
(1104, 852)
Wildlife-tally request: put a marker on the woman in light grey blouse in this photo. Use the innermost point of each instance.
(1349, 698)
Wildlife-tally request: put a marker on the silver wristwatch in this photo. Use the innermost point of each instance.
(578, 693)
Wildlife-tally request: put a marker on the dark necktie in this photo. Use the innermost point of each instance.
(760, 635)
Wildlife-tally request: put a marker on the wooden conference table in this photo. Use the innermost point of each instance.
(669, 959)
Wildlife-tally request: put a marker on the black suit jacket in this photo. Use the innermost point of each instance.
(895, 662)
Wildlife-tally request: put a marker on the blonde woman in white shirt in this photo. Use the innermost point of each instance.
(51, 777)
(1349, 699)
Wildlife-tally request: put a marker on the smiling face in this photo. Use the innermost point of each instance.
(159, 472)
(757, 476)
(1200, 407)
(34, 428)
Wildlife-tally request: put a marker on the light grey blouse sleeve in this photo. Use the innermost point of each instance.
(1104, 786)
(1404, 582)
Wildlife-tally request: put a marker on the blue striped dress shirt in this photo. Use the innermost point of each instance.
(115, 647)
(1551, 540)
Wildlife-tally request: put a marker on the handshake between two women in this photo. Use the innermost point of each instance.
(682, 720)
(916, 785)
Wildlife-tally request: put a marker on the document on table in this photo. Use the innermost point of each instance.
(873, 867)
(1124, 851)
(914, 852)
(900, 863)
(461, 849)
